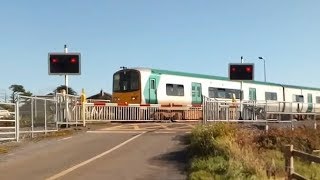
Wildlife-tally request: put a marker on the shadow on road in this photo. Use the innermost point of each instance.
(176, 158)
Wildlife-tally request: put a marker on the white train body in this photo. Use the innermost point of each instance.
(151, 86)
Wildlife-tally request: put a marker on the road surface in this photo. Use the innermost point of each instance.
(122, 152)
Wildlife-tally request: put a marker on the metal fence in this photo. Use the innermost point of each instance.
(30, 115)
(67, 109)
(113, 112)
(8, 122)
(37, 115)
(265, 112)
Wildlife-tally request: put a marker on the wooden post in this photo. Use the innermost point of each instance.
(289, 161)
(315, 121)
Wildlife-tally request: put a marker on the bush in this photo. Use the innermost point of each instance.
(303, 139)
(215, 151)
(226, 151)
(205, 140)
(200, 175)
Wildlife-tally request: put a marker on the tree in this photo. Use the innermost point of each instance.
(18, 89)
(60, 88)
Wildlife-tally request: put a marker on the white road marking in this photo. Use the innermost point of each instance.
(164, 127)
(65, 138)
(62, 173)
(116, 131)
(164, 132)
(113, 127)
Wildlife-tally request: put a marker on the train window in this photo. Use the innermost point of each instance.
(152, 84)
(223, 93)
(199, 91)
(252, 94)
(298, 98)
(180, 90)
(169, 89)
(318, 99)
(174, 90)
(271, 96)
(211, 92)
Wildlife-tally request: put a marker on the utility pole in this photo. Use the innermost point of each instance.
(66, 95)
(66, 76)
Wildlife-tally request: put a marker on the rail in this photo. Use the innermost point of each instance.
(289, 163)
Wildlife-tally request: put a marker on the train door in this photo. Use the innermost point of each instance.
(196, 93)
(310, 105)
(152, 91)
(252, 94)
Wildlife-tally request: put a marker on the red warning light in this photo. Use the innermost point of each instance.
(241, 71)
(54, 60)
(73, 60)
(248, 69)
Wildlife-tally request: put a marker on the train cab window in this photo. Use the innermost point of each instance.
(126, 80)
(271, 96)
(318, 99)
(174, 90)
(298, 98)
(116, 82)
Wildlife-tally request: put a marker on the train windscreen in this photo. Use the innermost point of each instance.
(125, 81)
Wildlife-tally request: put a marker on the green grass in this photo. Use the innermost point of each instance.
(228, 151)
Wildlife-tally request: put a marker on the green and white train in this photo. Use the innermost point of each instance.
(147, 86)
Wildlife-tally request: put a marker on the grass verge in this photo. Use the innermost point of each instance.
(231, 151)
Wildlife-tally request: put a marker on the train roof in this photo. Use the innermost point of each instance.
(195, 75)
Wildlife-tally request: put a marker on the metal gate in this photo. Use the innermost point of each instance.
(8, 122)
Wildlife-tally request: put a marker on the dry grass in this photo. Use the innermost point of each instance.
(7, 147)
(226, 151)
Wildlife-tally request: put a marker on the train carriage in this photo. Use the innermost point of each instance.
(147, 86)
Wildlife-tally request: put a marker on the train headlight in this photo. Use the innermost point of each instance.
(134, 97)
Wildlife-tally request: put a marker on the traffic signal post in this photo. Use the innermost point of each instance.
(241, 72)
(64, 64)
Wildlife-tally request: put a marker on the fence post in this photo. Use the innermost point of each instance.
(17, 119)
(83, 106)
(289, 160)
(204, 110)
(32, 103)
(265, 116)
(45, 116)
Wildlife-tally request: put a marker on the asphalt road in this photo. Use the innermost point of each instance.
(100, 155)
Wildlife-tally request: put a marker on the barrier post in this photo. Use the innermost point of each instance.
(83, 106)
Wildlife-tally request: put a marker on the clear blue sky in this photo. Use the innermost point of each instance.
(193, 36)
